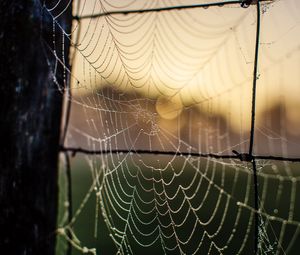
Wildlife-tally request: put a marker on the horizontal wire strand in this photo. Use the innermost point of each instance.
(168, 8)
(240, 156)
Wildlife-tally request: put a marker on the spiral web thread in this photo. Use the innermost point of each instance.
(162, 103)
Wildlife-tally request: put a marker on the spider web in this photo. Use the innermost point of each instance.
(161, 105)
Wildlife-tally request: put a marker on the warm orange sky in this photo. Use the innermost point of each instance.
(193, 57)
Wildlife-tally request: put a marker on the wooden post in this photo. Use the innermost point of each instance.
(30, 117)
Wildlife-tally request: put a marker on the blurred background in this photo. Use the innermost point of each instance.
(190, 72)
(182, 81)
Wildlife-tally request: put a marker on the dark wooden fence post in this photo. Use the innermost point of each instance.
(30, 117)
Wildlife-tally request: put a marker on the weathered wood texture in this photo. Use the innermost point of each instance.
(30, 117)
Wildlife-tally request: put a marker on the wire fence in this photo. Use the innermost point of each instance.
(248, 156)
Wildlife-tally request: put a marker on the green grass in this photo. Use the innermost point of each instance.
(98, 238)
